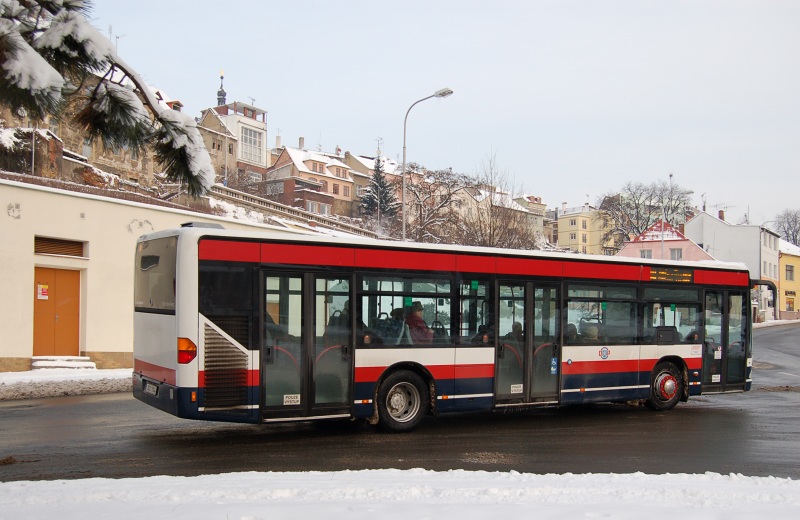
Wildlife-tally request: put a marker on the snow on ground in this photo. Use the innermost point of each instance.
(412, 494)
(53, 382)
(386, 494)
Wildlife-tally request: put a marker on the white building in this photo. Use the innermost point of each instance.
(755, 246)
(67, 272)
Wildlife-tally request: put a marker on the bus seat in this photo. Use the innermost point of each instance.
(405, 333)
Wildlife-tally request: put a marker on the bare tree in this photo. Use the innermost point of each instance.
(788, 222)
(433, 202)
(491, 217)
(637, 206)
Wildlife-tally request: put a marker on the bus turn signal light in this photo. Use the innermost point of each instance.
(187, 351)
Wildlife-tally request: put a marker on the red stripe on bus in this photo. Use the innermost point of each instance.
(474, 371)
(372, 374)
(408, 260)
(691, 364)
(599, 367)
(159, 373)
(368, 374)
(252, 378)
(307, 255)
(530, 266)
(721, 277)
(228, 250)
(475, 264)
(603, 270)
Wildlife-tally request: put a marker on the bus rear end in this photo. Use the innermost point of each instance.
(157, 355)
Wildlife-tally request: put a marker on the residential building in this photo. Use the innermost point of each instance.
(581, 230)
(63, 151)
(235, 135)
(362, 169)
(753, 245)
(661, 241)
(541, 225)
(326, 170)
(789, 287)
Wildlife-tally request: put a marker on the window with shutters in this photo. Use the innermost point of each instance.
(57, 246)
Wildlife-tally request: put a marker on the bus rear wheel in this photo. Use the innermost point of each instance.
(667, 387)
(402, 401)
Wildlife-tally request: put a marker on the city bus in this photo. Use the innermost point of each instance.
(266, 326)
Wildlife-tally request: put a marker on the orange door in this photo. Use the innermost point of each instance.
(56, 312)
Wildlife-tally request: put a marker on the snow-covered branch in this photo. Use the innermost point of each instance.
(49, 52)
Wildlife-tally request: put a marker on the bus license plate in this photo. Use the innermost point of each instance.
(150, 389)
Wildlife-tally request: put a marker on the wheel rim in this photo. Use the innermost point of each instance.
(402, 402)
(666, 386)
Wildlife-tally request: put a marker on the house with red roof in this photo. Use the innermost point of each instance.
(661, 241)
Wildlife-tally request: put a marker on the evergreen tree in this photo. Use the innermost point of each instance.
(51, 54)
(379, 200)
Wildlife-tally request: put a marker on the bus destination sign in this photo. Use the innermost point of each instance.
(671, 274)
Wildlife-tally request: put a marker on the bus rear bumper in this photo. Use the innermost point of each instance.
(155, 393)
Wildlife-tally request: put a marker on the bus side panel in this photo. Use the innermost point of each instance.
(462, 386)
(595, 373)
(690, 355)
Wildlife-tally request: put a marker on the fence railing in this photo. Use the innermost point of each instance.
(277, 209)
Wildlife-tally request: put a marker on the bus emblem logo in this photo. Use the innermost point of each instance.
(604, 353)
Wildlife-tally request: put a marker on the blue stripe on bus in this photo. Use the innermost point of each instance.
(610, 394)
(575, 381)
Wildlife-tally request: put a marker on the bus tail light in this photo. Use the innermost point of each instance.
(187, 351)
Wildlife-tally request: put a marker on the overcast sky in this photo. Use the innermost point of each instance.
(572, 98)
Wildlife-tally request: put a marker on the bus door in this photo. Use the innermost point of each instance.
(726, 347)
(306, 350)
(527, 363)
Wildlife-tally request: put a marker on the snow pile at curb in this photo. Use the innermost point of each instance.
(36, 384)
(391, 494)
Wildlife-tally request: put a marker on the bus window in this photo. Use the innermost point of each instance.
(406, 310)
(154, 283)
(477, 312)
(225, 298)
(684, 318)
(282, 355)
(737, 338)
(597, 315)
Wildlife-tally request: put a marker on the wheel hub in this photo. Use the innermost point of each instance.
(397, 402)
(667, 386)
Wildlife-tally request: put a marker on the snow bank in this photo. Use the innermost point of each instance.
(416, 494)
(52, 382)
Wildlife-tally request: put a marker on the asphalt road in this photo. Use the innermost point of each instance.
(113, 435)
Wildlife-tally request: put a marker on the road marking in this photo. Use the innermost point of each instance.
(788, 374)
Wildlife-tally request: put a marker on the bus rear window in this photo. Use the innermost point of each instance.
(154, 279)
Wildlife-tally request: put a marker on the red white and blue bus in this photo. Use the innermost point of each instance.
(267, 326)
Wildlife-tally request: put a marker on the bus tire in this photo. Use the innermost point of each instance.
(402, 401)
(666, 388)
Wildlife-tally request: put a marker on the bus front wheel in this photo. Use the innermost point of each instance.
(402, 401)
(667, 387)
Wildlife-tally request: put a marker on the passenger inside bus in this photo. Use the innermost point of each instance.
(571, 334)
(516, 333)
(420, 332)
(590, 334)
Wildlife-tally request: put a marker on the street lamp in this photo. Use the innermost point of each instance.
(440, 94)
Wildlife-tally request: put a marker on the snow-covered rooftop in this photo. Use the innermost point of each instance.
(659, 231)
(789, 248)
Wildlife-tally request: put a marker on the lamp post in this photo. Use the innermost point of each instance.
(440, 94)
